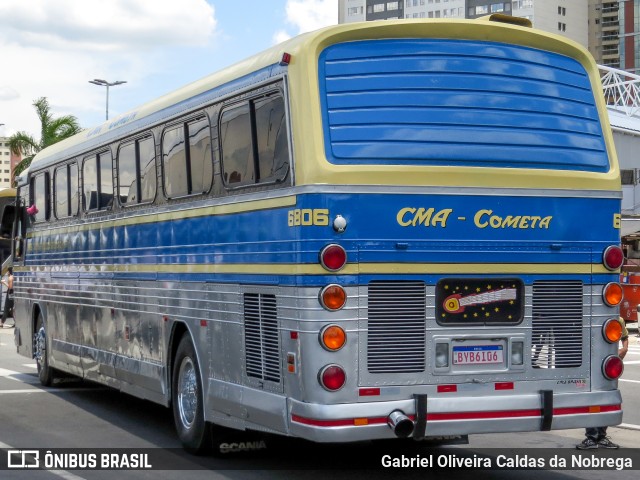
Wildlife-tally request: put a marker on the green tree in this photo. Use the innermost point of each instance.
(53, 130)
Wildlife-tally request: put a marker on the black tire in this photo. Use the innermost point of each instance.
(187, 400)
(46, 374)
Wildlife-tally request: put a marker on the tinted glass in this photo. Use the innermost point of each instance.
(61, 193)
(237, 148)
(39, 196)
(106, 181)
(147, 166)
(127, 183)
(90, 183)
(271, 133)
(174, 163)
(200, 156)
(73, 180)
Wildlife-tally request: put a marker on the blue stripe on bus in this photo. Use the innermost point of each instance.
(462, 103)
(435, 229)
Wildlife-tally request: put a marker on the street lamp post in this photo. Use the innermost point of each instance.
(104, 83)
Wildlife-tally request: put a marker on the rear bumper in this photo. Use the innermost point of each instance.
(456, 416)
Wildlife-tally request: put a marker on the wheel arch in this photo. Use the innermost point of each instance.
(178, 330)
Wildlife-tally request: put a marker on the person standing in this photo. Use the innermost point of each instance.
(8, 301)
(596, 437)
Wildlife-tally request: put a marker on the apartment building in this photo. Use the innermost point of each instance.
(566, 17)
(7, 162)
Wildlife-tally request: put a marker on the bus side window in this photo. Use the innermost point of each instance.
(97, 182)
(254, 142)
(65, 191)
(40, 196)
(137, 172)
(147, 169)
(271, 136)
(200, 160)
(127, 174)
(174, 163)
(187, 164)
(90, 183)
(237, 146)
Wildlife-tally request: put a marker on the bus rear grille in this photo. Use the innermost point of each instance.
(262, 342)
(556, 340)
(397, 327)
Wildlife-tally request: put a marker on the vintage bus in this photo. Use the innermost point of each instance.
(371, 231)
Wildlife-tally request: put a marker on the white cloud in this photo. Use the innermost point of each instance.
(307, 15)
(280, 36)
(99, 25)
(51, 48)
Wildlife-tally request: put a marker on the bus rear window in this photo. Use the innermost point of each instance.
(458, 103)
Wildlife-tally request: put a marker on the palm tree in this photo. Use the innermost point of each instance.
(53, 130)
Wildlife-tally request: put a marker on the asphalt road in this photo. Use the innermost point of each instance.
(75, 415)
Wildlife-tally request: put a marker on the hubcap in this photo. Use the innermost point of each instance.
(187, 392)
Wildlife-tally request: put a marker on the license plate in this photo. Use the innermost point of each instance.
(478, 354)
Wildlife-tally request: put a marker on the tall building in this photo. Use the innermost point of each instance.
(7, 163)
(629, 20)
(566, 17)
(604, 32)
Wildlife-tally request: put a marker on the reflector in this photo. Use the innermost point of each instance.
(333, 257)
(612, 294)
(333, 337)
(612, 367)
(333, 297)
(332, 377)
(612, 330)
(613, 257)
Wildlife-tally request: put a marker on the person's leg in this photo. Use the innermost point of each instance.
(604, 441)
(591, 440)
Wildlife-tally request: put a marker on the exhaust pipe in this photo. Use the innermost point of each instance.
(401, 425)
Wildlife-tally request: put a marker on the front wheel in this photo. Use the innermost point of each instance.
(41, 353)
(187, 400)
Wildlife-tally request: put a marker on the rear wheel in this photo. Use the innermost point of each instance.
(187, 400)
(41, 352)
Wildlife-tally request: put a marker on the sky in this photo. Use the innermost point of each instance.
(52, 48)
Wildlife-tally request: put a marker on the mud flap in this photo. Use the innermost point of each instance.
(547, 409)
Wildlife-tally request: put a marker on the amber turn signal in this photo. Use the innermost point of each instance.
(612, 294)
(333, 297)
(612, 330)
(333, 337)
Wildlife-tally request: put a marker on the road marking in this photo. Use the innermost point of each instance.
(24, 390)
(19, 377)
(59, 473)
(629, 426)
(31, 379)
(626, 380)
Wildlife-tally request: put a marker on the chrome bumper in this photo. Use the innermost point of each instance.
(455, 415)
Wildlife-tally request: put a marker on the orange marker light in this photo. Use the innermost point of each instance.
(612, 294)
(612, 330)
(333, 297)
(333, 337)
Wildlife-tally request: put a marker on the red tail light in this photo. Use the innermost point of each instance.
(613, 257)
(333, 257)
(612, 367)
(332, 377)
